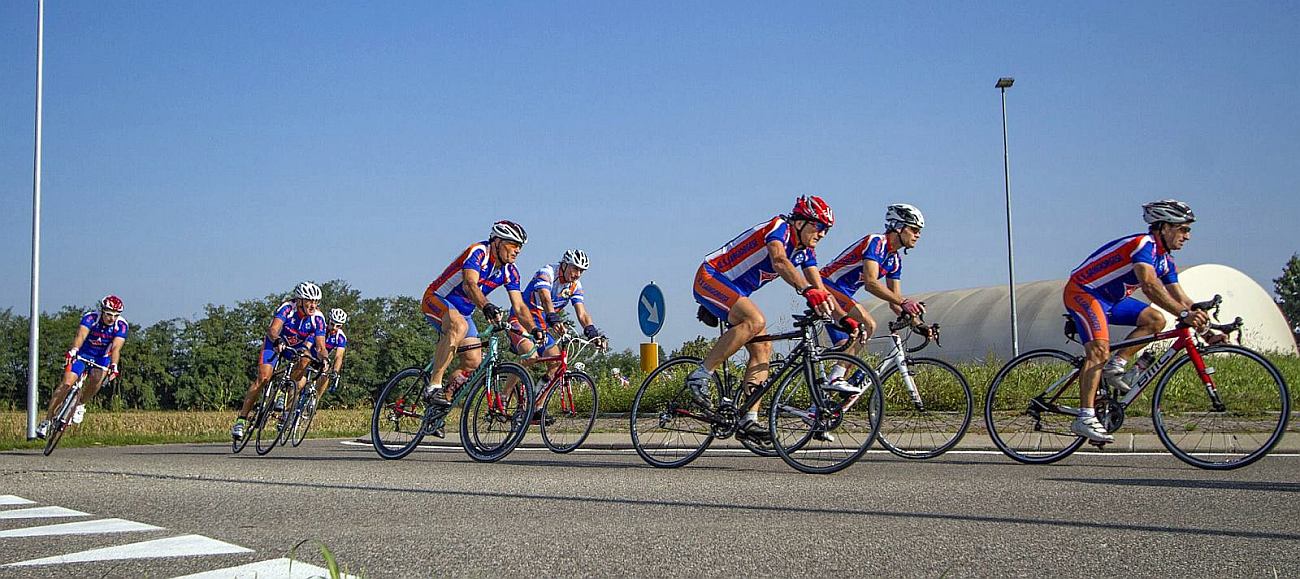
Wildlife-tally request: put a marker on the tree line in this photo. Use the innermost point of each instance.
(207, 363)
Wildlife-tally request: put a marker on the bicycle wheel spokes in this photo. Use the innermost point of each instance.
(1250, 422)
(496, 413)
(1024, 424)
(303, 424)
(930, 421)
(668, 429)
(827, 433)
(397, 421)
(569, 412)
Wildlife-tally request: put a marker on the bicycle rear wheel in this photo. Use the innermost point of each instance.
(397, 424)
(496, 413)
(569, 412)
(932, 422)
(668, 428)
(1024, 424)
(60, 423)
(821, 432)
(272, 418)
(1253, 416)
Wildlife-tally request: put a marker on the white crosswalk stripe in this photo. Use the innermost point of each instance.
(182, 546)
(95, 527)
(6, 500)
(279, 568)
(40, 513)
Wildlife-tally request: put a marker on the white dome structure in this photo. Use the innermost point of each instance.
(976, 323)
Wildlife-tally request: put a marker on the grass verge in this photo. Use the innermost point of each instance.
(102, 428)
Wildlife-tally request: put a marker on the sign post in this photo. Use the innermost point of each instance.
(650, 314)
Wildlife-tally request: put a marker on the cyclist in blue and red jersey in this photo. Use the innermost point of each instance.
(336, 345)
(553, 288)
(450, 300)
(297, 325)
(781, 247)
(1097, 295)
(864, 264)
(99, 339)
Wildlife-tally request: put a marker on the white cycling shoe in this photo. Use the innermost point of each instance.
(79, 414)
(842, 385)
(42, 429)
(1091, 429)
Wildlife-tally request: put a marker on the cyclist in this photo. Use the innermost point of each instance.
(864, 264)
(552, 288)
(336, 345)
(781, 247)
(297, 325)
(99, 338)
(450, 300)
(1097, 295)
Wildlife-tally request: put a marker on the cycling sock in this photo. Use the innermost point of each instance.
(836, 373)
(751, 416)
(1116, 364)
(700, 371)
(1087, 413)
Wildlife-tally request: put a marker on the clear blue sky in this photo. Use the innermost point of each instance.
(208, 152)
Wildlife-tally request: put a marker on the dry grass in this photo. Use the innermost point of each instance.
(145, 427)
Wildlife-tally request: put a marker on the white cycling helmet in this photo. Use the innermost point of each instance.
(901, 214)
(338, 316)
(1167, 211)
(307, 291)
(577, 258)
(509, 231)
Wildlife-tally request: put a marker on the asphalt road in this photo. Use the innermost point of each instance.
(604, 512)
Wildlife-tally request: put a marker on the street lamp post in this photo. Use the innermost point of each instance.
(1003, 84)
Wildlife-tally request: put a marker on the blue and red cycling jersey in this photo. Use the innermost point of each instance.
(100, 337)
(562, 294)
(1108, 273)
(334, 339)
(447, 287)
(300, 329)
(845, 271)
(745, 262)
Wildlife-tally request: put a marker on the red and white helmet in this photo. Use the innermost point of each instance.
(111, 303)
(814, 208)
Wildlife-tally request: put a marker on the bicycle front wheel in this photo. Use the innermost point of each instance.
(397, 424)
(496, 413)
(569, 412)
(1025, 422)
(668, 428)
(819, 431)
(273, 419)
(930, 420)
(1249, 422)
(305, 417)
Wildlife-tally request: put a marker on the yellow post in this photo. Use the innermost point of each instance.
(649, 356)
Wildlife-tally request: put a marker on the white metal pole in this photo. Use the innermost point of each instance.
(33, 340)
(1011, 260)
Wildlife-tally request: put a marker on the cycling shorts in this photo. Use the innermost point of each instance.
(1093, 316)
(715, 292)
(78, 367)
(435, 307)
(519, 335)
(269, 356)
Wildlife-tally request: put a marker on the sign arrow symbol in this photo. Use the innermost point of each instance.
(654, 312)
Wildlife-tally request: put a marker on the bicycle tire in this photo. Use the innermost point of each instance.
(496, 413)
(799, 422)
(668, 428)
(61, 420)
(271, 417)
(569, 412)
(940, 421)
(401, 406)
(303, 423)
(1257, 406)
(1018, 430)
(237, 445)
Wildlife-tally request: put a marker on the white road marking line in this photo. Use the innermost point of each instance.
(41, 513)
(81, 528)
(183, 546)
(280, 568)
(13, 500)
(1080, 452)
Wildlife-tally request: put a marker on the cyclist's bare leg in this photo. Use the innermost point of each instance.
(1150, 322)
(747, 322)
(1096, 353)
(454, 329)
(757, 369)
(866, 327)
(263, 376)
(69, 378)
(91, 387)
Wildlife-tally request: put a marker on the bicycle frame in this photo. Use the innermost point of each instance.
(562, 368)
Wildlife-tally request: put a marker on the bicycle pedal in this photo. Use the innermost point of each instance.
(1099, 445)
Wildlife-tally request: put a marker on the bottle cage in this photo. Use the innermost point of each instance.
(1071, 329)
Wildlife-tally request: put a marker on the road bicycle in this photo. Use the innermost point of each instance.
(568, 403)
(495, 405)
(63, 417)
(304, 408)
(279, 408)
(811, 428)
(1215, 407)
(927, 402)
